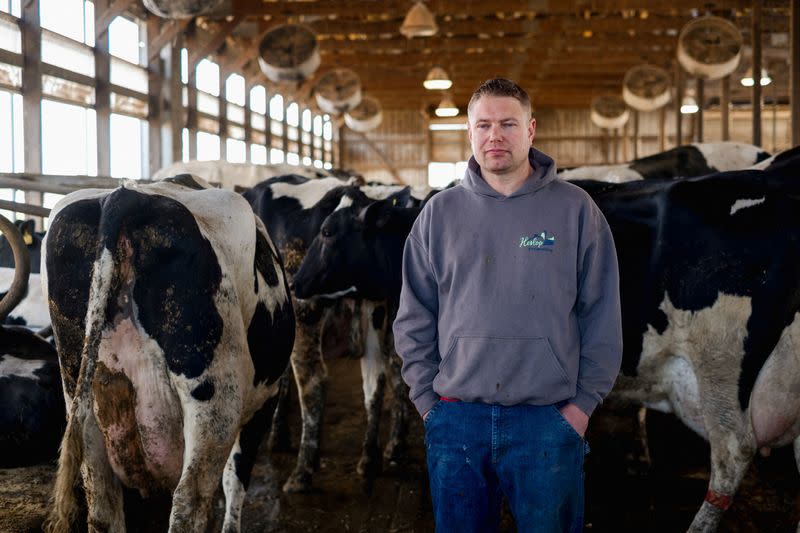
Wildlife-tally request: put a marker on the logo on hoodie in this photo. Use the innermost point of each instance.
(543, 241)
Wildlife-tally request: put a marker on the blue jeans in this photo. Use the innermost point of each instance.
(477, 453)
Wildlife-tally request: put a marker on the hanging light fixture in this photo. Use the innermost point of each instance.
(446, 108)
(689, 105)
(747, 81)
(419, 22)
(437, 80)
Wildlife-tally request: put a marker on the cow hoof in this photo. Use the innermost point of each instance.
(298, 483)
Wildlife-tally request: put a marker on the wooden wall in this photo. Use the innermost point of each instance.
(567, 135)
(398, 148)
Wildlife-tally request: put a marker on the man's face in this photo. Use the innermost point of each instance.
(500, 133)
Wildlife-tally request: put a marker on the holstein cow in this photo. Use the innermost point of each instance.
(32, 310)
(697, 159)
(710, 302)
(173, 323)
(232, 175)
(33, 242)
(293, 208)
(31, 399)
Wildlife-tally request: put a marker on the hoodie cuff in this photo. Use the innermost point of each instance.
(425, 401)
(586, 402)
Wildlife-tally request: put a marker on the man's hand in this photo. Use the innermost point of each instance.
(576, 418)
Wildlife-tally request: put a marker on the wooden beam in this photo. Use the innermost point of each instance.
(701, 101)
(32, 86)
(168, 32)
(794, 76)
(102, 92)
(155, 73)
(176, 109)
(442, 8)
(756, 44)
(196, 54)
(28, 209)
(679, 81)
(104, 19)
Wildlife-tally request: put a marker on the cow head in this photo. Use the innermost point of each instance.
(357, 247)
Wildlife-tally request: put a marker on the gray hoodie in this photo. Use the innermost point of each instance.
(510, 299)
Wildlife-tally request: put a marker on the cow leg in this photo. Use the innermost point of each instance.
(400, 410)
(731, 454)
(238, 469)
(279, 437)
(311, 376)
(210, 429)
(373, 376)
(103, 490)
(641, 419)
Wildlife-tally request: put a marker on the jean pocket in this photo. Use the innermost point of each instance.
(431, 413)
(566, 425)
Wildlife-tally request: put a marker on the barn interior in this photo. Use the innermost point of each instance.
(108, 66)
(96, 92)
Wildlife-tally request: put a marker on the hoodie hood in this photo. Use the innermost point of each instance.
(544, 171)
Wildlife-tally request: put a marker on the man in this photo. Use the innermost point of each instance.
(509, 327)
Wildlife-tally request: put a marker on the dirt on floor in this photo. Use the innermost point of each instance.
(623, 494)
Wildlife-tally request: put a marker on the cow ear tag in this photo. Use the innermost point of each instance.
(28, 238)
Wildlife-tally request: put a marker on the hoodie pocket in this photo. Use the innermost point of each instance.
(504, 370)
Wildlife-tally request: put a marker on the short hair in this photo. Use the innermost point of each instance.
(500, 87)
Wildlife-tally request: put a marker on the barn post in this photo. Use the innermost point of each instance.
(102, 92)
(701, 97)
(794, 75)
(678, 102)
(32, 95)
(756, 44)
(155, 78)
(724, 108)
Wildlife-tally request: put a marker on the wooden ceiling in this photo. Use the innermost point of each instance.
(563, 52)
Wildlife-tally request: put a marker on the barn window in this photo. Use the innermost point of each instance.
(64, 52)
(236, 151)
(318, 126)
(70, 18)
(208, 148)
(258, 99)
(307, 120)
(258, 154)
(275, 156)
(126, 40)
(11, 6)
(10, 36)
(11, 149)
(442, 174)
(127, 146)
(327, 131)
(207, 77)
(69, 139)
(292, 158)
(293, 114)
(184, 66)
(276, 107)
(184, 145)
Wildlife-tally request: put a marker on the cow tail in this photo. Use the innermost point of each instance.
(65, 506)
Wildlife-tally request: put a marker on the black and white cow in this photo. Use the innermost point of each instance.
(293, 209)
(173, 323)
(32, 310)
(33, 242)
(31, 399)
(697, 159)
(710, 302)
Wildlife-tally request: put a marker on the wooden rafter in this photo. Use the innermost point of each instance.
(210, 46)
(113, 11)
(168, 32)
